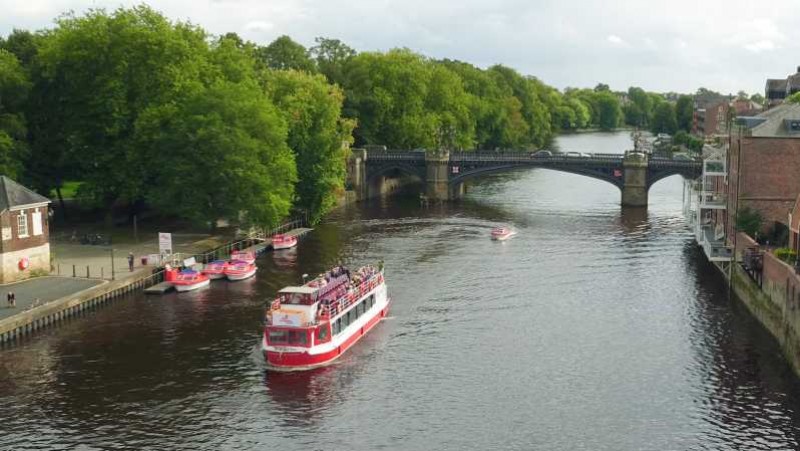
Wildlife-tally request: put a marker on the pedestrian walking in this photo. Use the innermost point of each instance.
(12, 299)
(130, 261)
(8, 299)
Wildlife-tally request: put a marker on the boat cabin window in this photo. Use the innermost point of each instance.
(278, 336)
(296, 299)
(297, 337)
(322, 334)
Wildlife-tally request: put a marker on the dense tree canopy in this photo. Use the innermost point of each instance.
(141, 109)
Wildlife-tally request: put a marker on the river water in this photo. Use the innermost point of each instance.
(592, 329)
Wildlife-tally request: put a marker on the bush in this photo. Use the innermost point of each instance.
(786, 254)
(749, 221)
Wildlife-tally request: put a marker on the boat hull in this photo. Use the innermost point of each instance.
(241, 275)
(502, 237)
(304, 361)
(280, 246)
(192, 286)
(214, 275)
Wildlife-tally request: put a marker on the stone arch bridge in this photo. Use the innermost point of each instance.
(443, 173)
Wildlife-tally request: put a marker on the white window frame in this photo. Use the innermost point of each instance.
(22, 221)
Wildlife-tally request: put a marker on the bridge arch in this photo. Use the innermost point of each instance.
(387, 178)
(603, 175)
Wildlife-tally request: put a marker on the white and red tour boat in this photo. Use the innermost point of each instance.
(502, 233)
(189, 279)
(243, 256)
(215, 269)
(240, 270)
(312, 325)
(280, 241)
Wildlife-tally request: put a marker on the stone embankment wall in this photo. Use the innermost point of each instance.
(776, 304)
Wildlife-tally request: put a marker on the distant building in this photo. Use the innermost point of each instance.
(25, 244)
(711, 120)
(777, 90)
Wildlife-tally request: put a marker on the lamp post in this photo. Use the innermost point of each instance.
(113, 273)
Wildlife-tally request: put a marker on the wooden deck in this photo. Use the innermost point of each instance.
(159, 288)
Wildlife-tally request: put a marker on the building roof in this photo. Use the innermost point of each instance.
(12, 195)
(776, 85)
(775, 122)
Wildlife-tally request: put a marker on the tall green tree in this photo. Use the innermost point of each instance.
(99, 73)
(14, 89)
(609, 110)
(403, 100)
(222, 154)
(331, 56)
(684, 113)
(318, 136)
(284, 53)
(664, 119)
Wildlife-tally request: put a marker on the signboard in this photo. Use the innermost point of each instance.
(189, 262)
(617, 173)
(286, 319)
(456, 169)
(6, 233)
(164, 243)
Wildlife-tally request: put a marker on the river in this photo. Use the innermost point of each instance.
(592, 329)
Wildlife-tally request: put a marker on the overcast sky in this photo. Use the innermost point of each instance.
(660, 45)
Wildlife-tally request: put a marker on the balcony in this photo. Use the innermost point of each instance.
(713, 201)
(715, 249)
(714, 168)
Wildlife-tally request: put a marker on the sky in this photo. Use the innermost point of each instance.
(675, 45)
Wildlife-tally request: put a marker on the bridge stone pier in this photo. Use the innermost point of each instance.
(442, 174)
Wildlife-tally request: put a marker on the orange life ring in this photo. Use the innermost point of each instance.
(23, 263)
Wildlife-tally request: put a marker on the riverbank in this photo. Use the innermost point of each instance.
(772, 297)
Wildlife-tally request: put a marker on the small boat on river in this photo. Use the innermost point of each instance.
(312, 325)
(215, 269)
(240, 270)
(188, 280)
(280, 241)
(502, 233)
(243, 256)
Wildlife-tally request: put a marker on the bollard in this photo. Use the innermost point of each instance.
(73, 271)
(87, 271)
(102, 275)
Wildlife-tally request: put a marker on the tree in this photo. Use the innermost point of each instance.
(405, 101)
(684, 113)
(602, 87)
(317, 134)
(331, 56)
(98, 74)
(610, 112)
(14, 89)
(222, 154)
(757, 98)
(639, 110)
(283, 53)
(664, 119)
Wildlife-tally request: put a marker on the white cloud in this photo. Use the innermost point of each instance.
(678, 45)
(760, 46)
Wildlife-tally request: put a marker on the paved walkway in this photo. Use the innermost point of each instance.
(46, 289)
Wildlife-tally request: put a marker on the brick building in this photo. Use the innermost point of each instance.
(763, 165)
(712, 120)
(25, 245)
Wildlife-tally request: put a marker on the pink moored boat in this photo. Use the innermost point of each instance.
(240, 270)
(215, 269)
(243, 256)
(188, 280)
(281, 241)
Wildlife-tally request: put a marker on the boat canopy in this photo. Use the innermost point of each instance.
(304, 295)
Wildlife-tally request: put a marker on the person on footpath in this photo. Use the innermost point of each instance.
(130, 261)
(8, 300)
(12, 299)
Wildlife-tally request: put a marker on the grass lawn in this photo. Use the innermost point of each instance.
(69, 190)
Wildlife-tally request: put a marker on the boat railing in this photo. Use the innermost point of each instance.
(333, 307)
